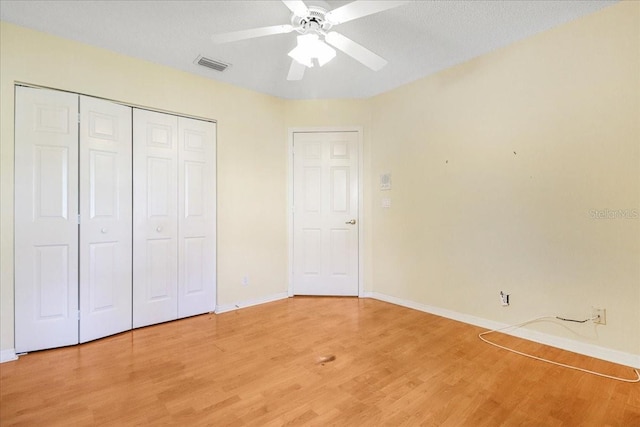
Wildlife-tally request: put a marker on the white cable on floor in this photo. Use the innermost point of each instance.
(481, 336)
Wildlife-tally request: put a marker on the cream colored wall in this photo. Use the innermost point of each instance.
(252, 156)
(496, 166)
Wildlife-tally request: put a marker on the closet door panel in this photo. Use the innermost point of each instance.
(197, 213)
(105, 218)
(46, 227)
(155, 236)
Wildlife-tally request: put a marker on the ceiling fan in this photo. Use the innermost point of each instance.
(314, 25)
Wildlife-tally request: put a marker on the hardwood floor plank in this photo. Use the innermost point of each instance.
(262, 366)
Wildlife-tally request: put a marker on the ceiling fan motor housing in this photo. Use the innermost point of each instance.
(314, 22)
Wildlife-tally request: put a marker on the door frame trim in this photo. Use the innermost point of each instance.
(290, 133)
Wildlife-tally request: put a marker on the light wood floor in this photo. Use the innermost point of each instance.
(258, 366)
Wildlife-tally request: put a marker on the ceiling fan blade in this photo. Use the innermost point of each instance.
(358, 9)
(296, 71)
(297, 7)
(356, 51)
(250, 34)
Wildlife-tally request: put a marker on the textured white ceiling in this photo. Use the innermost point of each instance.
(418, 39)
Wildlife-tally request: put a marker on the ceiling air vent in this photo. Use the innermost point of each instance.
(211, 63)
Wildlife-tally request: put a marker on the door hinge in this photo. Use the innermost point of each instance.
(78, 118)
(78, 219)
(78, 315)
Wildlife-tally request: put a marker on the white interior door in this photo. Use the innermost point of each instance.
(155, 231)
(325, 230)
(105, 218)
(46, 227)
(197, 210)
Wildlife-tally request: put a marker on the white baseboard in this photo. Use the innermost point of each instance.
(615, 356)
(8, 355)
(244, 304)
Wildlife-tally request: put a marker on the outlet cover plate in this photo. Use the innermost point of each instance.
(599, 315)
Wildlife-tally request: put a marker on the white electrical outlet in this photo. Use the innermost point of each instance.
(599, 315)
(504, 299)
(245, 280)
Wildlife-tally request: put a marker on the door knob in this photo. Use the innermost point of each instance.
(104, 230)
(158, 229)
(353, 221)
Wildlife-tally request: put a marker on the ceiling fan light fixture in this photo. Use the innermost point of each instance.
(309, 47)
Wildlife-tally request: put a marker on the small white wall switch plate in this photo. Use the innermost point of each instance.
(385, 202)
(385, 181)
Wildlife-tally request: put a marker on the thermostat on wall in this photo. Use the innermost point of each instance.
(385, 181)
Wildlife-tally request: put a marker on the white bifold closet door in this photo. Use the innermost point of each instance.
(196, 217)
(155, 218)
(174, 217)
(46, 219)
(105, 218)
(72, 219)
